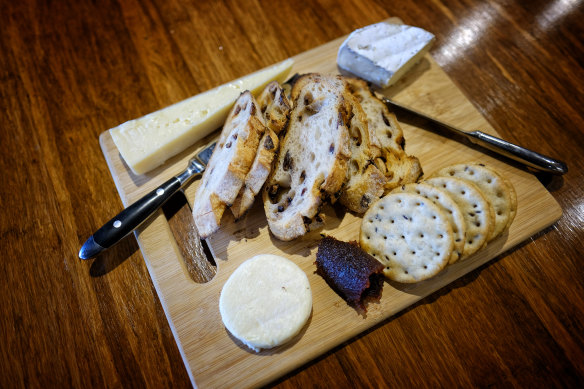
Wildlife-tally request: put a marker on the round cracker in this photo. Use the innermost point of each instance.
(266, 301)
(513, 197)
(441, 198)
(476, 210)
(493, 187)
(409, 234)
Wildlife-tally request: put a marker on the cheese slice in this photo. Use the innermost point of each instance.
(147, 142)
(381, 53)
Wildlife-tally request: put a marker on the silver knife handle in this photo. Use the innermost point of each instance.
(497, 145)
(518, 153)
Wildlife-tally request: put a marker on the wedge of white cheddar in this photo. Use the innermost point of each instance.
(149, 141)
(381, 53)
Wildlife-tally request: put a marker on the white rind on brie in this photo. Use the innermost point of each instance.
(381, 53)
(147, 142)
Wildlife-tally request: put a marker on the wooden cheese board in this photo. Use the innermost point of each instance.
(212, 356)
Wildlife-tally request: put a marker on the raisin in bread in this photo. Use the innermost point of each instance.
(275, 108)
(312, 163)
(229, 165)
(365, 182)
(398, 167)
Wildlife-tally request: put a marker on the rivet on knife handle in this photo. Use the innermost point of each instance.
(130, 218)
(502, 147)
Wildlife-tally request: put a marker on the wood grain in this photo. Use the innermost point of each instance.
(69, 70)
(211, 354)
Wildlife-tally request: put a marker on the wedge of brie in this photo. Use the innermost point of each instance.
(381, 53)
(147, 142)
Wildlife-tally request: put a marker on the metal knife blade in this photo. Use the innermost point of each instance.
(497, 145)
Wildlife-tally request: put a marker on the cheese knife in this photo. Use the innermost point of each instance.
(132, 217)
(517, 153)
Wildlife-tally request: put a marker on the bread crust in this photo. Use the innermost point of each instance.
(257, 175)
(313, 157)
(231, 160)
(275, 109)
(398, 167)
(275, 106)
(365, 183)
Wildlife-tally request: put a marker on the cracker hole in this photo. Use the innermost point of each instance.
(440, 236)
(462, 192)
(403, 237)
(478, 224)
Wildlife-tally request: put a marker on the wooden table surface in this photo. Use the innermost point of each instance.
(70, 70)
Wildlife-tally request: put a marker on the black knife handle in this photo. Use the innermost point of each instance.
(518, 153)
(130, 218)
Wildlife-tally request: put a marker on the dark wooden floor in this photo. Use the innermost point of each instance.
(70, 70)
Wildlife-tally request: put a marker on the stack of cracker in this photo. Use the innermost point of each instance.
(419, 228)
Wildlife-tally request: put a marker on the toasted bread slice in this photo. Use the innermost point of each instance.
(229, 165)
(312, 164)
(275, 109)
(398, 167)
(275, 106)
(257, 175)
(365, 182)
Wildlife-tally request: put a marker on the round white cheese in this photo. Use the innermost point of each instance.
(266, 301)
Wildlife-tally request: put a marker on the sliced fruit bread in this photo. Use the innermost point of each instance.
(229, 165)
(312, 164)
